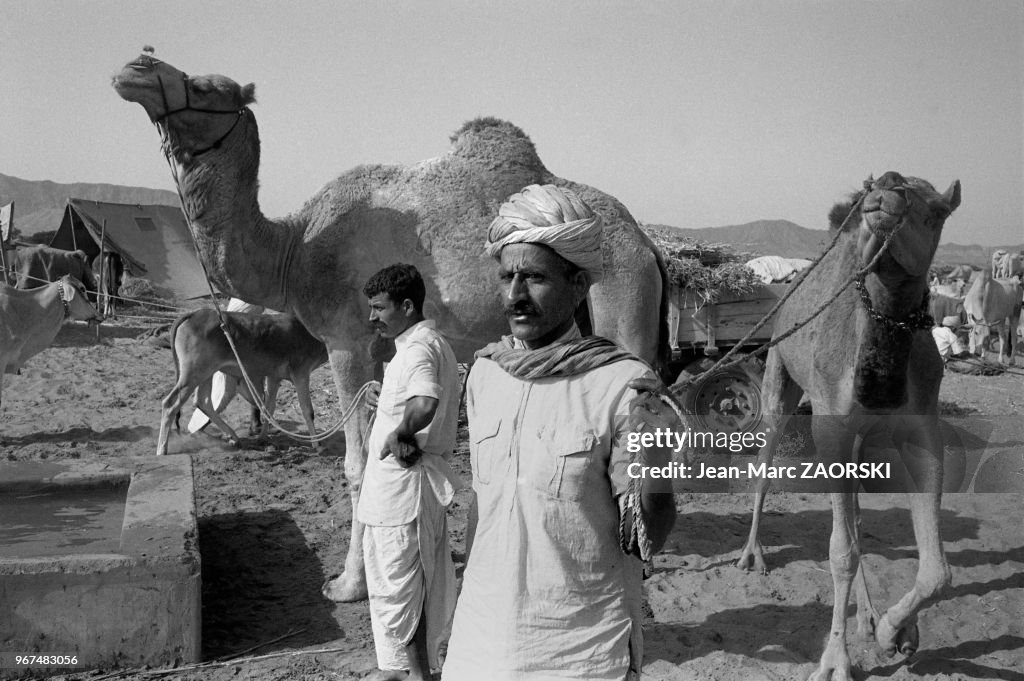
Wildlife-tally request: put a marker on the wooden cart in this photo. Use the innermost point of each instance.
(726, 400)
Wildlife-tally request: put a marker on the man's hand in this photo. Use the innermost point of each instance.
(372, 395)
(647, 411)
(403, 448)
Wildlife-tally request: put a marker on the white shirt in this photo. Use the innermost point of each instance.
(547, 591)
(947, 341)
(423, 366)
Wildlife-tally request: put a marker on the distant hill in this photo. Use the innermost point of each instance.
(785, 238)
(978, 256)
(761, 237)
(39, 204)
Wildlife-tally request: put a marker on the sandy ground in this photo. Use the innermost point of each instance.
(274, 523)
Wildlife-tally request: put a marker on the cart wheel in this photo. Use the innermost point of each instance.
(727, 401)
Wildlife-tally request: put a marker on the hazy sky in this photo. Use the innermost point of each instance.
(695, 114)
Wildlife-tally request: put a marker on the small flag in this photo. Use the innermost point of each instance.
(6, 220)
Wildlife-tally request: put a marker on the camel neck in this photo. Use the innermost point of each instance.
(219, 192)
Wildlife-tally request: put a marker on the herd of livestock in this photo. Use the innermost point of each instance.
(988, 302)
(42, 281)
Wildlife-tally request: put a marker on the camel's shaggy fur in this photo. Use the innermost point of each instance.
(433, 214)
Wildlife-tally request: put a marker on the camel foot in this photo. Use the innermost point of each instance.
(341, 589)
(904, 640)
(752, 558)
(834, 665)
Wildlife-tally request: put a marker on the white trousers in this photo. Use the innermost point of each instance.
(409, 573)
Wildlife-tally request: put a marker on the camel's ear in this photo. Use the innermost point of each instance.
(839, 213)
(952, 195)
(248, 94)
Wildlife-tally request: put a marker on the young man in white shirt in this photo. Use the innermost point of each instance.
(408, 483)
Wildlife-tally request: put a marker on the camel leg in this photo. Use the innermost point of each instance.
(897, 629)
(867, 614)
(779, 397)
(351, 370)
(843, 558)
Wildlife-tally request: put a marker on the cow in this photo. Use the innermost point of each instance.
(36, 266)
(271, 347)
(993, 303)
(30, 320)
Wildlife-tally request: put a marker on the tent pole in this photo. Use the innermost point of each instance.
(74, 241)
(103, 271)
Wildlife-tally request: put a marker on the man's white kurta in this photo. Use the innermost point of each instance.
(548, 592)
(405, 543)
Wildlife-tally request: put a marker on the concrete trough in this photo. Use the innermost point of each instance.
(99, 559)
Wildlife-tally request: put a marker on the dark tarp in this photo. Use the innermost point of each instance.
(153, 241)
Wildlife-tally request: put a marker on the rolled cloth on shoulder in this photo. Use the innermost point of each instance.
(555, 217)
(951, 320)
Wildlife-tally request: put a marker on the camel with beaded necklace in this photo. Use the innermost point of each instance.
(871, 371)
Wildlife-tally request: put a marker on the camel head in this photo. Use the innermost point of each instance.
(197, 111)
(895, 223)
(908, 212)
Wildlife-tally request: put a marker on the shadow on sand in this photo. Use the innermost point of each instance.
(261, 581)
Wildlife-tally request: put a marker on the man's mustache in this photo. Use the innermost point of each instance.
(521, 309)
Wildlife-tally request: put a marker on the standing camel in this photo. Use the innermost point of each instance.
(872, 372)
(433, 214)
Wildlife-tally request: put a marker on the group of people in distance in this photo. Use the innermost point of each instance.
(552, 585)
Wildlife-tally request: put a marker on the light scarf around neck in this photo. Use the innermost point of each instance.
(568, 358)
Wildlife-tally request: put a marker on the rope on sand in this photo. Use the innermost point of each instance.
(235, 658)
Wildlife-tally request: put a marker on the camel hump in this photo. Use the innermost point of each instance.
(492, 140)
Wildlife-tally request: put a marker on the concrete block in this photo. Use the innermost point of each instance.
(128, 600)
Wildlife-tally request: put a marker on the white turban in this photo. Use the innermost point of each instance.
(552, 216)
(951, 320)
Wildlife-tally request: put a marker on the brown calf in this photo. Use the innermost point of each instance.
(271, 347)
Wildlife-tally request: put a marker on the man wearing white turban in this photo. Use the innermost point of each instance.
(558, 529)
(949, 344)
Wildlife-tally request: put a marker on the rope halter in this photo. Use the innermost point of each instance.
(147, 61)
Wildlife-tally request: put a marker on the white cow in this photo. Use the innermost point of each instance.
(30, 320)
(993, 304)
